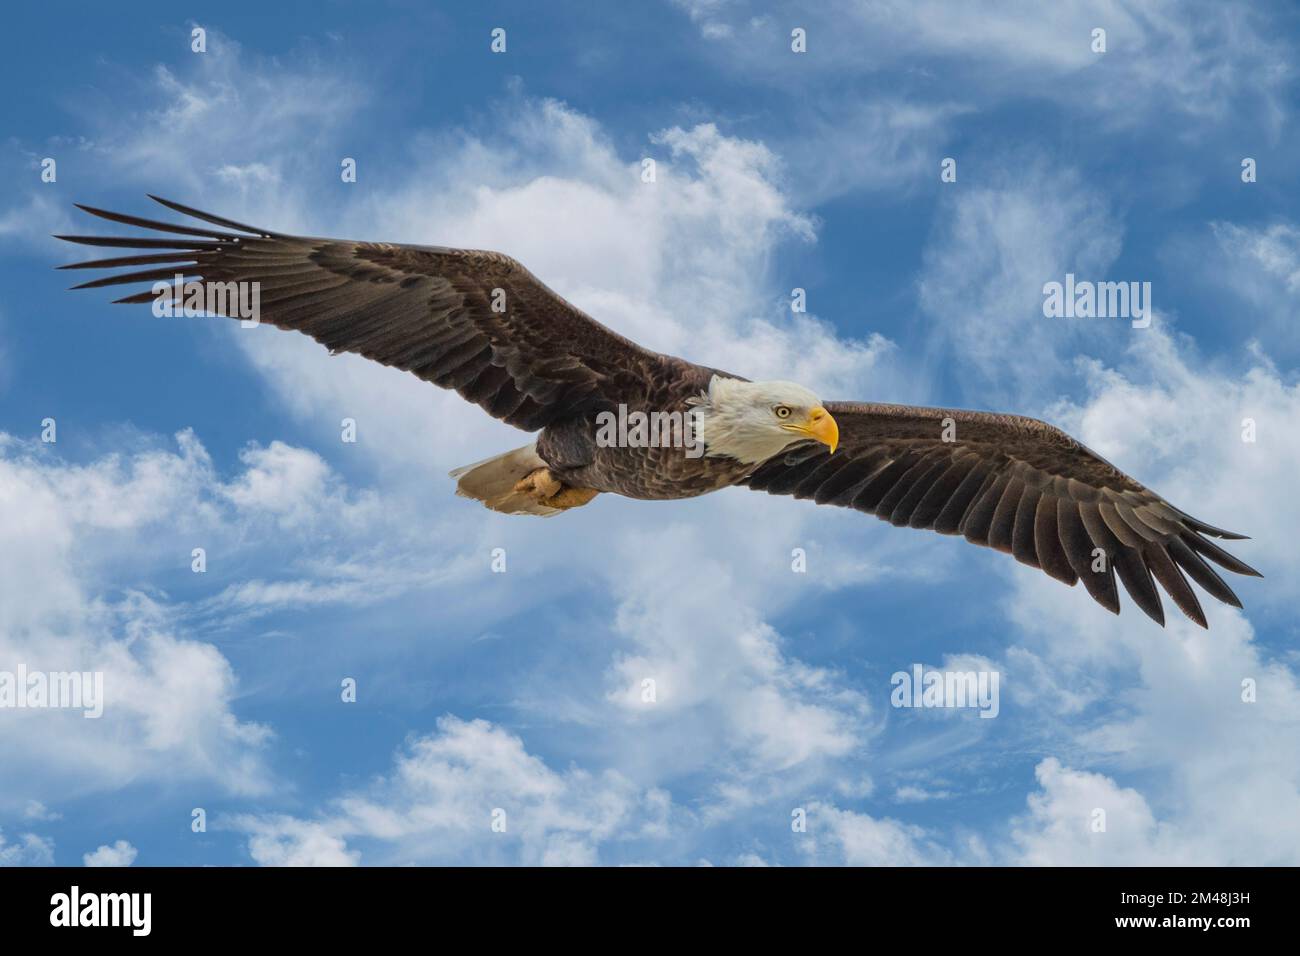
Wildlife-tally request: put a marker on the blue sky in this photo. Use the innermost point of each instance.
(521, 691)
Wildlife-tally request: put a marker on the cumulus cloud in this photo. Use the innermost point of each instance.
(1205, 717)
(120, 853)
(690, 602)
(35, 810)
(468, 793)
(843, 837)
(168, 696)
(696, 674)
(293, 485)
(1081, 818)
(30, 850)
(1217, 439)
(280, 840)
(678, 263)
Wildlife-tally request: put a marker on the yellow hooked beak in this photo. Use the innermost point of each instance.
(821, 426)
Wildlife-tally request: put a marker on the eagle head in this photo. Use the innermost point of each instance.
(752, 421)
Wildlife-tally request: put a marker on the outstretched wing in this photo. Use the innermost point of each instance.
(532, 359)
(1015, 484)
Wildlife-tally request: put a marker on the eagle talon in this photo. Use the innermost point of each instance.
(546, 489)
(539, 484)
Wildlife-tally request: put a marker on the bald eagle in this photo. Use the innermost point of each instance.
(479, 323)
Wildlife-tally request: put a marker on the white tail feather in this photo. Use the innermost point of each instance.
(492, 481)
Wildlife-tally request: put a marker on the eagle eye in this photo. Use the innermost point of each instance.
(781, 411)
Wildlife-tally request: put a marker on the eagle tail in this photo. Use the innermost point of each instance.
(492, 481)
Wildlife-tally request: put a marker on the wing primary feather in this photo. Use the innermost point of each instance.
(1078, 547)
(1200, 572)
(1126, 562)
(1220, 557)
(1197, 525)
(208, 217)
(1171, 579)
(1164, 527)
(1118, 527)
(154, 225)
(1139, 528)
(116, 261)
(128, 242)
(1135, 574)
(145, 275)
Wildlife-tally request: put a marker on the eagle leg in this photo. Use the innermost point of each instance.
(545, 488)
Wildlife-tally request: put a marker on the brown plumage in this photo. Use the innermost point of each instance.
(1015, 484)
(481, 324)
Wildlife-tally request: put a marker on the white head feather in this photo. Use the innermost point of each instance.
(740, 420)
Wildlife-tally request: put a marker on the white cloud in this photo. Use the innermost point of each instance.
(995, 245)
(120, 853)
(717, 667)
(1221, 775)
(252, 112)
(1178, 423)
(31, 223)
(442, 799)
(31, 850)
(1274, 249)
(284, 841)
(292, 484)
(1259, 266)
(1218, 778)
(35, 810)
(1194, 58)
(1063, 825)
(842, 837)
(168, 697)
(886, 143)
(681, 265)
(913, 794)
